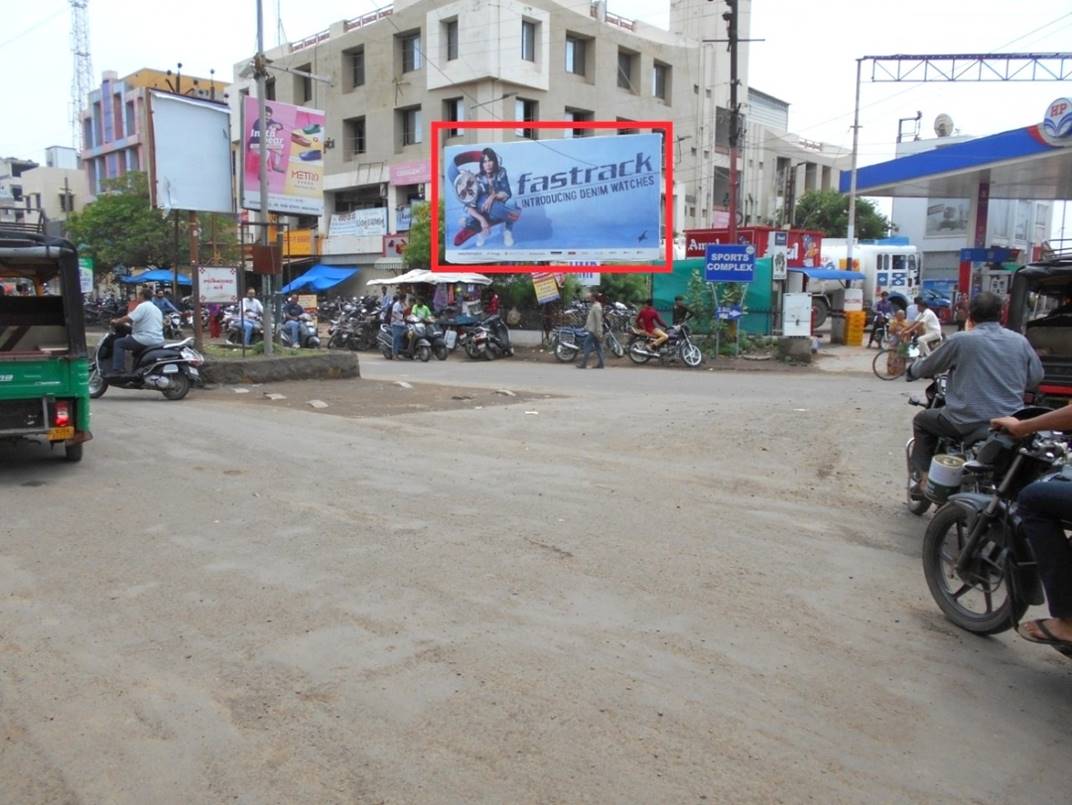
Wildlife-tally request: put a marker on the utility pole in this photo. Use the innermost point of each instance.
(735, 121)
(261, 71)
(850, 234)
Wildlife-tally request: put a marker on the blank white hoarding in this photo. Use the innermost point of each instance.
(191, 154)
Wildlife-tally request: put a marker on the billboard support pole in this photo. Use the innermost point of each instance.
(195, 277)
(850, 234)
(262, 169)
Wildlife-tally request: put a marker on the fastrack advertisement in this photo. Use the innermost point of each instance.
(295, 157)
(586, 198)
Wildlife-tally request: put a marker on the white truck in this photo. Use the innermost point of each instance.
(886, 267)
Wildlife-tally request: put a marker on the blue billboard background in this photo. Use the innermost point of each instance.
(586, 198)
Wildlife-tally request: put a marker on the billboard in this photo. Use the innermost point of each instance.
(562, 200)
(295, 157)
(190, 162)
(359, 223)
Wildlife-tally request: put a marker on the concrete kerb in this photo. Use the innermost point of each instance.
(319, 366)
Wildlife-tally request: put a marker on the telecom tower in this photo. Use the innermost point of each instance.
(82, 77)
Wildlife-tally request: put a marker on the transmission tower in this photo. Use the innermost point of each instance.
(82, 76)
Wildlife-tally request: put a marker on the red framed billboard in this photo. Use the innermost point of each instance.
(622, 187)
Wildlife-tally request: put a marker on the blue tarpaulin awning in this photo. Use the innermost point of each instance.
(155, 275)
(320, 278)
(829, 274)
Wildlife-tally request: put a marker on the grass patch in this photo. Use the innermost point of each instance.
(231, 352)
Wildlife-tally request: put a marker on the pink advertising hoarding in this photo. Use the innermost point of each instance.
(404, 173)
(295, 158)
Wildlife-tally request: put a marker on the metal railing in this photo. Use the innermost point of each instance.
(351, 24)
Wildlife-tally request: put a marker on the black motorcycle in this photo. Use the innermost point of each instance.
(488, 340)
(976, 559)
(415, 342)
(171, 369)
(679, 344)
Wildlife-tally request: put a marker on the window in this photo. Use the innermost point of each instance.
(660, 81)
(409, 124)
(525, 110)
(130, 125)
(528, 40)
(354, 66)
(66, 202)
(87, 132)
(132, 159)
(628, 131)
(411, 52)
(303, 85)
(454, 109)
(450, 39)
(626, 68)
(117, 115)
(269, 89)
(575, 55)
(353, 137)
(578, 114)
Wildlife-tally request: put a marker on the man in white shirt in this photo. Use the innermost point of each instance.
(252, 312)
(912, 311)
(928, 327)
(147, 330)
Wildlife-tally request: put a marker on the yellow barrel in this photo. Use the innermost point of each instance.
(854, 327)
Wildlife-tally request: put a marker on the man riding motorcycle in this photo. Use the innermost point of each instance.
(994, 367)
(292, 313)
(147, 330)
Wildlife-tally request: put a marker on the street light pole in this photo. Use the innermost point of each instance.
(850, 234)
(262, 170)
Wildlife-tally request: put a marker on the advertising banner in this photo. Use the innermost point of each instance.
(395, 245)
(546, 287)
(802, 247)
(360, 223)
(191, 154)
(218, 285)
(295, 158)
(586, 198)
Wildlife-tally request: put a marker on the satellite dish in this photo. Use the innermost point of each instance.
(943, 125)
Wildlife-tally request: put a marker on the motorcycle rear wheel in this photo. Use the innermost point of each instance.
(97, 385)
(565, 352)
(179, 388)
(637, 354)
(424, 353)
(945, 536)
(441, 353)
(615, 345)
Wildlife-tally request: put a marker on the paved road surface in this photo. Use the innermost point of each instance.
(665, 586)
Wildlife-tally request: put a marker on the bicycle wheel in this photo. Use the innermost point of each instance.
(881, 365)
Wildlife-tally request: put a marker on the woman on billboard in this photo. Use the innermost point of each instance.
(485, 196)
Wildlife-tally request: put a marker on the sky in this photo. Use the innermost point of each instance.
(807, 58)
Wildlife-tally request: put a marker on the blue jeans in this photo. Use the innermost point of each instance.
(1042, 505)
(119, 354)
(397, 333)
(293, 329)
(501, 213)
(591, 343)
(247, 331)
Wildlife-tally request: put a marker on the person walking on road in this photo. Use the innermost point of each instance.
(593, 340)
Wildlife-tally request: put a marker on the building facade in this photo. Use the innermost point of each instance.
(12, 202)
(398, 68)
(941, 227)
(779, 166)
(114, 125)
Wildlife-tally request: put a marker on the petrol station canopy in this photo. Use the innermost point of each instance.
(1018, 164)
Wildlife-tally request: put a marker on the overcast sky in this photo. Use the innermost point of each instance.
(808, 58)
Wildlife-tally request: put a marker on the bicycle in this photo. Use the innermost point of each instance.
(891, 362)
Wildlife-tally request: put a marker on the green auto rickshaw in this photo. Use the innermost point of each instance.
(44, 369)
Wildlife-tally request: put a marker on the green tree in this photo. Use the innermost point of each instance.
(122, 226)
(418, 253)
(828, 211)
(628, 288)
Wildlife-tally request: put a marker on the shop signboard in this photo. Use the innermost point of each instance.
(295, 158)
(85, 274)
(803, 247)
(407, 173)
(730, 263)
(586, 198)
(360, 223)
(546, 288)
(218, 285)
(395, 245)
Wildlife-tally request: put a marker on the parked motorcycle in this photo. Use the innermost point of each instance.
(569, 341)
(678, 346)
(488, 340)
(417, 347)
(170, 369)
(976, 559)
(233, 327)
(172, 326)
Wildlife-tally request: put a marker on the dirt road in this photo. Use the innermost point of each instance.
(660, 587)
